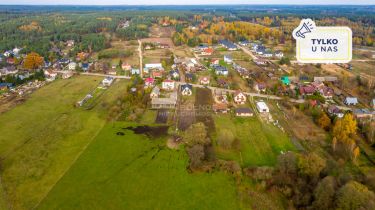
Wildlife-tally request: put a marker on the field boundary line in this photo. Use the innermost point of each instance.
(68, 168)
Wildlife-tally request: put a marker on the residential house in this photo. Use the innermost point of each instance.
(149, 82)
(244, 43)
(111, 71)
(168, 84)
(153, 66)
(285, 80)
(72, 66)
(222, 83)
(228, 59)
(135, 71)
(262, 107)
(207, 51)
(10, 60)
(220, 108)
(50, 75)
(8, 70)
(260, 61)
(326, 92)
(126, 67)
(239, 97)
(220, 70)
(243, 112)
(228, 45)
(16, 51)
(189, 77)
(214, 62)
(267, 54)
(155, 92)
(307, 90)
(279, 54)
(204, 81)
(351, 101)
(335, 111)
(174, 74)
(85, 66)
(108, 81)
(157, 74)
(363, 113)
(260, 87)
(186, 89)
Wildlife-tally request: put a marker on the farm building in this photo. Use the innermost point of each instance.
(165, 103)
(262, 107)
(243, 112)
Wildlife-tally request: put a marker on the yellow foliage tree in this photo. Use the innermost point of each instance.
(33, 61)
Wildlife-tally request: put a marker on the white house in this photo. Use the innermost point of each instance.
(107, 81)
(228, 59)
(72, 66)
(168, 84)
(186, 90)
(279, 54)
(262, 107)
(154, 66)
(239, 97)
(351, 101)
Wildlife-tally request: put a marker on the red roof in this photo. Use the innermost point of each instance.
(209, 50)
(149, 80)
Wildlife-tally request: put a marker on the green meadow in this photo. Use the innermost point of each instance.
(134, 172)
(260, 143)
(41, 138)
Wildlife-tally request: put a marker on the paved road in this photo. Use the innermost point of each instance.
(140, 57)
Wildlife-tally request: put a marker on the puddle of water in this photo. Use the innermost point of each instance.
(149, 131)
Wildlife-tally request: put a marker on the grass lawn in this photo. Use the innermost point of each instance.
(41, 138)
(134, 172)
(260, 143)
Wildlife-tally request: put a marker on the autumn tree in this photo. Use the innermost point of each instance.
(196, 134)
(354, 195)
(324, 121)
(324, 193)
(33, 61)
(343, 142)
(311, 165)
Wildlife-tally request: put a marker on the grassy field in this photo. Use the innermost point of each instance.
(260, 143)
(41, 138)
(133, 172)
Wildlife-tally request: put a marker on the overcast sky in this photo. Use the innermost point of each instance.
(183, 2)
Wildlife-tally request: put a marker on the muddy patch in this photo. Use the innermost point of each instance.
(151, 132)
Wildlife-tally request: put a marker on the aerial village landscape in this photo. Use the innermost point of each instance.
(149, 104)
